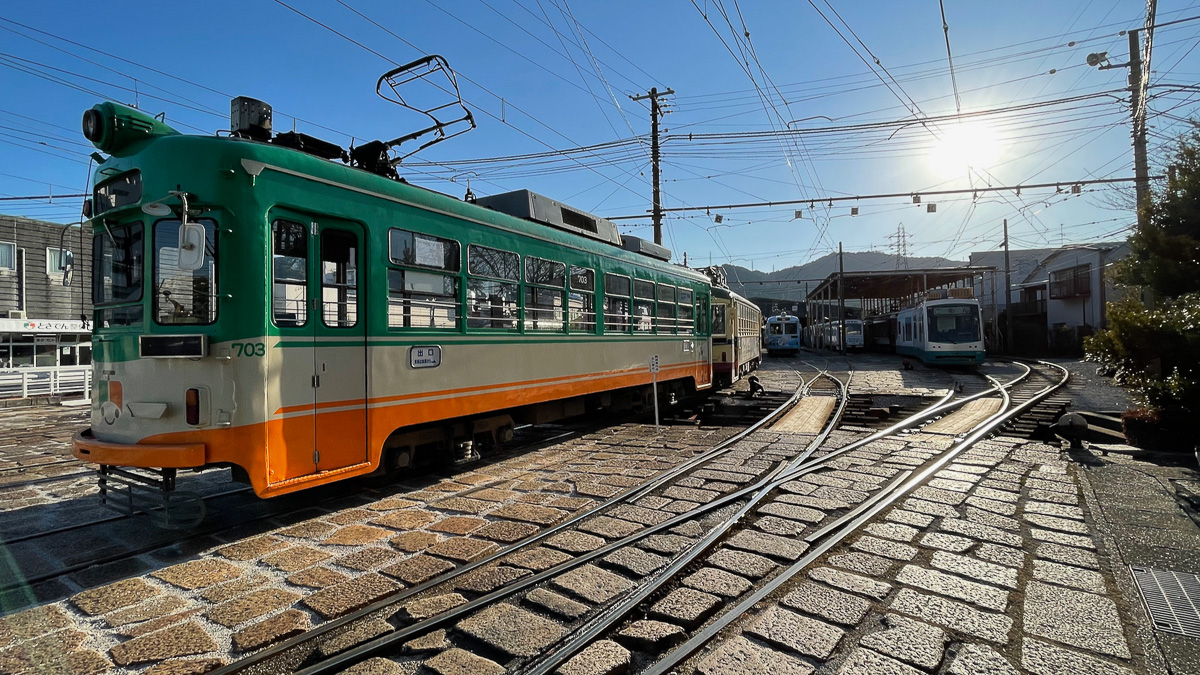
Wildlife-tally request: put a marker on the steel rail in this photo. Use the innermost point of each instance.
(685, 651)
(385, 642)
(608, 617)
(280, 650)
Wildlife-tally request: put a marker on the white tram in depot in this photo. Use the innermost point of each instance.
(737, 343)
(944, 328)
(783, 334)
(830, 331)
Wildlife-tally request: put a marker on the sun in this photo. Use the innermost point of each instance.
(967, 145)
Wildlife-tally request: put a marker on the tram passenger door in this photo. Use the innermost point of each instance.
(340, 354)
(319, 367)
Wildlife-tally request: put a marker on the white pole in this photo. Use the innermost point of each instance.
(654, 383)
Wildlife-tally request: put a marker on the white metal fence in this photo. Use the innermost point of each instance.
(48, 381)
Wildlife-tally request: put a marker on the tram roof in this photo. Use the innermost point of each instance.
(888, 284)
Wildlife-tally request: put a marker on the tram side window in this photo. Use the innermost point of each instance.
(339, 278)
(616, 303)
(718, 321)
(490, 303)
(289, 274)
(666, 309)
(544, 281)
(581, 300)
(422, 300)
(643, 306)
(181, 296)
(687, 315)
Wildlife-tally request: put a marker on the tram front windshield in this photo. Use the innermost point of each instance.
(954, 323)
(853, 329)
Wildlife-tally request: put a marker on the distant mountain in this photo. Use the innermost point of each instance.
(744, 281)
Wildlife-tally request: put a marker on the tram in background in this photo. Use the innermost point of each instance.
(264, 307)
(736, 336)
(830, 331)
(783, 334)
(944, 328)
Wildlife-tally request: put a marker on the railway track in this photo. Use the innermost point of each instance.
(634, 574)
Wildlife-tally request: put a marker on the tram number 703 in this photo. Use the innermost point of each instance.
(249, 349)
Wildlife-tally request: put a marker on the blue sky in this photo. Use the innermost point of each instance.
(546, 75)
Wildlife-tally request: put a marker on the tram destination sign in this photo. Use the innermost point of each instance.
(427, 356)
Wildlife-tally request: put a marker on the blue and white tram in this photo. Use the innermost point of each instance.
(783, 334)
(945, 331)
(830, 331)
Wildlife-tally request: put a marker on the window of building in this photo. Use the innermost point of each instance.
(490, 303)
(58, 260)
(616, 303)
(643, 306)
(183, 296)
(8, 256)
(289, 272)
(1072, 282)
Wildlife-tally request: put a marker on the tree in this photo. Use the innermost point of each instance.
(1157, 351)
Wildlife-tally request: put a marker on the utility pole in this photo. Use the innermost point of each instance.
(1008, 310)
(1141, 169)
(656, 112)
(841, 302)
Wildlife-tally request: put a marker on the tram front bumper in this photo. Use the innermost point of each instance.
(88, 448)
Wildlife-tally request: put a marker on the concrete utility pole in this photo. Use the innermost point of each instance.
(841, 302)
(1008, 337)
(1141, 169)
(655, 113)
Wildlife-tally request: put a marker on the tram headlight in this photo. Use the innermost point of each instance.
(93, 125)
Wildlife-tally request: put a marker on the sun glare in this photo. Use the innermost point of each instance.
(963, 146)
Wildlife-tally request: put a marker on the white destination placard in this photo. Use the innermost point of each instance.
(425, 357)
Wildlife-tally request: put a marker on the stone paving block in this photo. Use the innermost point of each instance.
(739, 656)
(690, 494)
(1068, 555)
(940, 496)
(1069, 575)
(863, 563)
(1074, 618)
(951, 485)
(1059, 524)
(779, 526)
(686, 607)
(793, 512)
(411, 542)
(640, 515)
(1052, 509)
(635, 561)
(198, 573)
(954, 587)
(348, 596)
(946, 542)
(430, 642)
(691, 529)
(279, 627)
(953, 615)
(554, 603)
(355, 535)
(42, 653)
(512, 630)
(592, 583)
(418, 569)
(1053, 486)
(866, 662)
(250, 606)
(295, 558)
(184, 640)
(317, 577)
(741, 562)
(930, 508)
(597, 490)
(530, 513)
(853, 583)
(905, 517)
(430, 606)
(571, 503)
(391, 504)
(767, 544)
(368, 558)
(978, 570)
(793, 631)
(826, 603)
(490, 578)
(180, 667)
(506, 531)
(910, 641)
(251, 548)
(993, 506)
(462, 549)
(151, 609)
(997, 495)
(975, 659)
(894, 531)
(718, 582)
(610, 528)
(1056, 497)
(576, 542)
(1003, 555)
(1062, 538)
(1041, 658)
(885, 548)
(841, 494)
(408, 519)
(31, 623)
(982, 532)
(459, 525)
(650, 636)
(113, 596)
(494, 495)
(464, 505)
(312, 529)
(461, 662)
(603, 657)
(232, 589)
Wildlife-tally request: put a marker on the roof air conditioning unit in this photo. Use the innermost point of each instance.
(15, 313)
